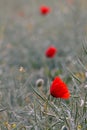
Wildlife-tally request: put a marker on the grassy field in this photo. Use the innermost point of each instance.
(25, 34)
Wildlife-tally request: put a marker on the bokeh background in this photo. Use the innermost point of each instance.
(21, 23)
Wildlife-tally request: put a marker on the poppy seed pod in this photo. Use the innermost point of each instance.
(64, 128)
(39, 82)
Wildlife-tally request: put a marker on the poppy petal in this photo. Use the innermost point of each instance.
(59, 89)
(44, 10)
(50, 52)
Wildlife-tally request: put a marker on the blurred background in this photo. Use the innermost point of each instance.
(24, 31)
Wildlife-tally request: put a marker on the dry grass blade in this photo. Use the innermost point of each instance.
(54, 124)
(1, 110)
(82, 65)
(75, 76)
(52, 105)
(65, 117)
(76, 113)
(37, 93)
(84, 47)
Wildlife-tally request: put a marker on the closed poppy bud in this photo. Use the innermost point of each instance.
(58, 89)
(39, 82)
(50, 52)
(44, 10)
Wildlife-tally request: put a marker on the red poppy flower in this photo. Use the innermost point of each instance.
(70, 2)
(58, 89)
(50, 52)
(44, 10)
(21, 14)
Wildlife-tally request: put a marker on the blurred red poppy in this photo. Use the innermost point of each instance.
(50, 52)
(44, 10)
(21, 14)
(70, 2)
(58, 89)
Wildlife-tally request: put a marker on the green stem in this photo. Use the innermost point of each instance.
(65, 117)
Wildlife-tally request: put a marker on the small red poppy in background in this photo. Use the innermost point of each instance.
(70, 2)
(21, 14)
(44, 10)
(50, 52)
(58, 89)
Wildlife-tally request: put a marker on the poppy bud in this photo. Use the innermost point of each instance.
(50, 52)
(44, 10)
(39, 82)
(64, 128)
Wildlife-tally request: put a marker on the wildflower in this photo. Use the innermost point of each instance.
(79, 127)
(21, 69)
(13, 125)
(80, 75)
(50, 52)
(39, 82)
(7, 125)
(44, 10)
(58, 89)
